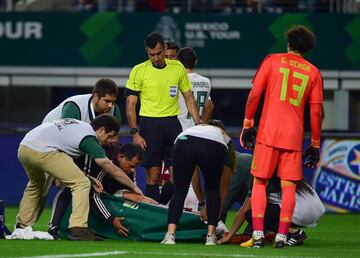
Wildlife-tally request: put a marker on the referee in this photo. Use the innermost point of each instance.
(157, 82)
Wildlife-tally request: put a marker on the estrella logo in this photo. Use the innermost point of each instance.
(353, 160)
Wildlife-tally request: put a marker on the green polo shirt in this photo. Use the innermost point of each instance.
(159, 88)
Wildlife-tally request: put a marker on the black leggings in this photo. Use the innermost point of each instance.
(210, 157)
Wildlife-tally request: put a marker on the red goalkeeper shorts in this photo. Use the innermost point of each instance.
(267, 158)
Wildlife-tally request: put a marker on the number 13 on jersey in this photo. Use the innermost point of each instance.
(300, 89)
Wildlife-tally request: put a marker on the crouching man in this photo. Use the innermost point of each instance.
(49, 148)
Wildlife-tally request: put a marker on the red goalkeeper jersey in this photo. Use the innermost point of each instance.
(289, 81)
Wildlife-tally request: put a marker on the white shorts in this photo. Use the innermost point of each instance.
(308, 208)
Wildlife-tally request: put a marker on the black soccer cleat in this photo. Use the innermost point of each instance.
(54, 231)
(279, 244)
(296, 238)
(259, 243)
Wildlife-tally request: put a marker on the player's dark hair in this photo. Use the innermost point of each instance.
(187, 57)
(152, 39)
(129, 150)
(300, 39)
(105, 87)
(303, 187)
(172, 45)
(217, 123)
(110, 123)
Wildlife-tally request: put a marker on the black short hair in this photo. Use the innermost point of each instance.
(300, 39)
(129, 150)
(109, 122)
(105, 87)
(152, 39)
(217, 123)
(187, 56)
(172, 45)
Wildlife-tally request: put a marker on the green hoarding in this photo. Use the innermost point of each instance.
(221, 41)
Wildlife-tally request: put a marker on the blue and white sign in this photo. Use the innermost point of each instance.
(337, 180)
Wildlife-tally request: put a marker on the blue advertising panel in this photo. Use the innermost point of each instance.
(337, 179)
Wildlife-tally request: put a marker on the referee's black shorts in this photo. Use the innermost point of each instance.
(159, 134)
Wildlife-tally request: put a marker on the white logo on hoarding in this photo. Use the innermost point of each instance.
(21, 30)
(196, 33)
(168, 28)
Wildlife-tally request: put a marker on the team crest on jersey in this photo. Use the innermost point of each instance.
(173, 91)
(131, 205)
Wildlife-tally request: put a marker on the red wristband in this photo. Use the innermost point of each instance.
(248, 123)
(315, 143)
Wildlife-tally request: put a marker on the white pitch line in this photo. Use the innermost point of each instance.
(223, 255)
(99, 254)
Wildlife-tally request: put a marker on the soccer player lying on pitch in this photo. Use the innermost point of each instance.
(127, 157)
(131, 220)
(308, 211)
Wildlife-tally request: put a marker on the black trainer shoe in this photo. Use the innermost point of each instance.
(279, 244)
(82, 234)
(18, 225)
(296, 238)
(259, 243)
(54, 231)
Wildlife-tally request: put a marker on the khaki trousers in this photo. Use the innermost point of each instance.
(61, 166)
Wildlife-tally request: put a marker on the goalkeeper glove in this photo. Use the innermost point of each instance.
(248, 135)
(311, 157)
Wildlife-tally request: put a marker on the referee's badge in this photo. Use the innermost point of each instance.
(173, 91)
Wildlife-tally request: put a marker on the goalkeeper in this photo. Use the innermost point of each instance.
(288, 82)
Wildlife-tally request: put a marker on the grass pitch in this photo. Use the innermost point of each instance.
(335, 236)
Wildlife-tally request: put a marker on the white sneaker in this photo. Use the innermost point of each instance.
(210, 239)
(169, 239)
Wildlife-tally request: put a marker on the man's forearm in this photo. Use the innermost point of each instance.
(207, 112)
(130, 112)
(240, 217)
(116, 173)
(315, 123)
(191, 106)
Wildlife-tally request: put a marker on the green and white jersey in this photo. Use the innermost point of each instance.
(201, 88)
(83, 108)
(64, 135)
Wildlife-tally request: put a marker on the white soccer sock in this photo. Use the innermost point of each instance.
(258, 234)
(280, 237)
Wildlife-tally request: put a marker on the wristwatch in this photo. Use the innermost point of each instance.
(133, 130)
(201, 205)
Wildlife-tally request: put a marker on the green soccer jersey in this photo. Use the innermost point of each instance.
(159, 88)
